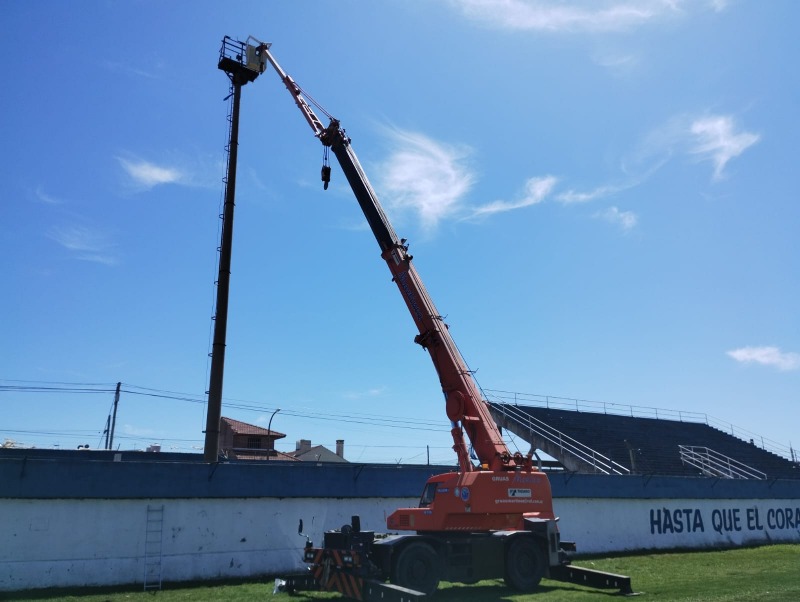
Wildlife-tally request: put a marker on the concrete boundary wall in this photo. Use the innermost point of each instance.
(65, 543)
(618, 525)
(79, 518)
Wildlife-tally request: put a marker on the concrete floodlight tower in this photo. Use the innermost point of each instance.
(243, 62)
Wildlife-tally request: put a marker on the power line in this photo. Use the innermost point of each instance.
(352, 417)
(50, 383)
(372, 420)
(305, 413)
(43, 389)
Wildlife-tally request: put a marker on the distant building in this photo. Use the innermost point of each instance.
(305, 452)
(243, 441)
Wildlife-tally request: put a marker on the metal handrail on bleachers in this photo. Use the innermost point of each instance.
(714, 464)
(564, 442)
(604, 407)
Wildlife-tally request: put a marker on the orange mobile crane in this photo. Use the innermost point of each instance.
(486, 521)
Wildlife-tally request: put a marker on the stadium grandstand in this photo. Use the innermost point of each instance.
(603, 438)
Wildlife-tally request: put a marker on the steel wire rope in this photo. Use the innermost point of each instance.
(314, 102)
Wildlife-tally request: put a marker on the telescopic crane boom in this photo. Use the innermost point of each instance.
(465, 407)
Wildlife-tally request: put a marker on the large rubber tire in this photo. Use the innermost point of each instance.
(418, 567)
(525, 563)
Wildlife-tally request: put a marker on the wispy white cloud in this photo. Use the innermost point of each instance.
(616, 62)
(767, 356)
(716, 140)
(129, 69)
(432, 179)
(713, 138)
(573, 196)
(536, 190)
(631, 178)
(85, 244)
(626, 220)
(177, 169)
(367, 393)
(145, 174)
(46, 198)
(425, 176)
(142, 432)
(577, 16)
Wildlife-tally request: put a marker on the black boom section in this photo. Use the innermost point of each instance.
(365, 195)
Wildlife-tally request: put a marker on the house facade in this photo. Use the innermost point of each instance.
(242, 441)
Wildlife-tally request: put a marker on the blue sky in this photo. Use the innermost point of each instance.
(600, 197)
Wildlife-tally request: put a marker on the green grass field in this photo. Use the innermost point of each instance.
(764, 573)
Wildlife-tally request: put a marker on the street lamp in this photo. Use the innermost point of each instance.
(271, 439)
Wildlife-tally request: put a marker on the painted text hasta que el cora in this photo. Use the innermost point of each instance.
(722, 520)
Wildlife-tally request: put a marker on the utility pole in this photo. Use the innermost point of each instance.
(110, 438)
(107, 430)
(243, 63)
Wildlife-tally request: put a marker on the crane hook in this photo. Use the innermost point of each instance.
(326, 169)
(326, 176)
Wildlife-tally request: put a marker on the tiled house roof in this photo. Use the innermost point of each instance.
(242, 428)
(240, 440)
